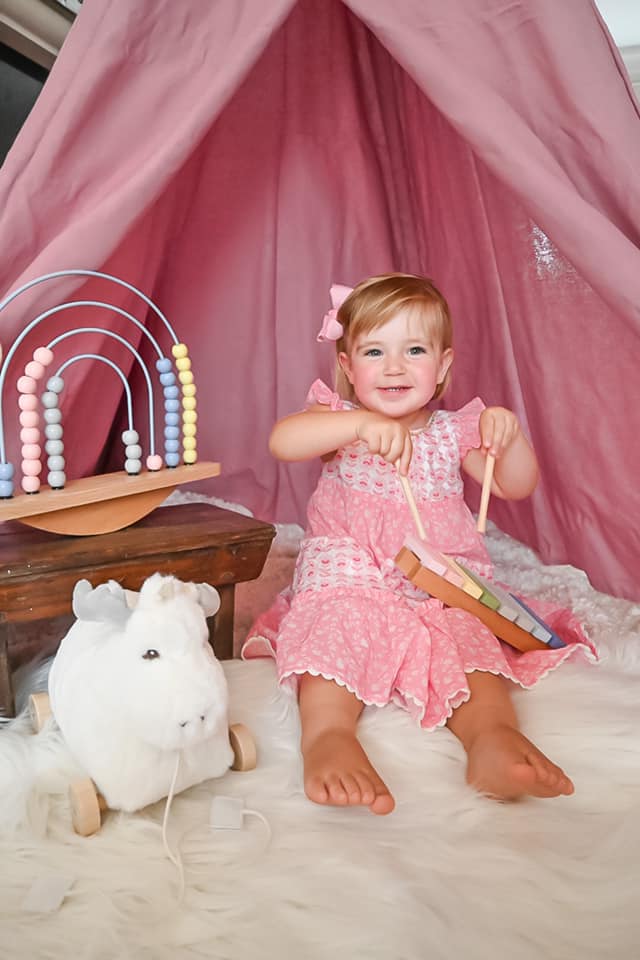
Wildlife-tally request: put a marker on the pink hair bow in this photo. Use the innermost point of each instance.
(331, 328)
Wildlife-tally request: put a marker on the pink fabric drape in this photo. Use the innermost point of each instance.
(234, 159)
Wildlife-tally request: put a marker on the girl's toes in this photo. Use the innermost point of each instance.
(337, 792)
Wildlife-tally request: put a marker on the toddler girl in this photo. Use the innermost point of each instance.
(352, 629)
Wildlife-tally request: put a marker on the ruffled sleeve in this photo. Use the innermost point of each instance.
(466, 425)
(319, 392)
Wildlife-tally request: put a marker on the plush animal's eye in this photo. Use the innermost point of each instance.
(150, 655)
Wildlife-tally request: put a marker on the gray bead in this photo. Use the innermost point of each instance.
(130, 436)
(133, 466)
(53, 431)
(54, 447)
(56, 463)
(56, 384)
(49, 399)
(53, 415)
(56, 479)
(133, 451)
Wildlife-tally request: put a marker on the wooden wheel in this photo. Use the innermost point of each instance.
(85, 807)
(243, 746)
(39, 710)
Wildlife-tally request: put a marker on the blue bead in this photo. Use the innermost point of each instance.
(6, 471)
(172, 459)
(172, 406)
(172, 419)
(6, 489)
(171, 433)
(171, 392)
(167, 379)
(171, 446)
(163, 365)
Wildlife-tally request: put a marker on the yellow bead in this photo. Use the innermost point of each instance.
(189, 390)
(189, 416)
(189, 430)
(188, 403)
(183, 363)
(179, 350)
(189, 443)
(190, 456)
(185, 376)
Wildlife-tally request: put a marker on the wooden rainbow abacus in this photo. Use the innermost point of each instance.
(455, 585)
(98, 504)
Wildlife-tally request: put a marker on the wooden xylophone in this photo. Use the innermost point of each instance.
(455, 585)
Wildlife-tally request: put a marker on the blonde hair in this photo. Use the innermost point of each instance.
(375, 301)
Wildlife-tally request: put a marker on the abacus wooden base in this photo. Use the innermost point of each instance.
(195, 542)
(102, 503)
(453, 596)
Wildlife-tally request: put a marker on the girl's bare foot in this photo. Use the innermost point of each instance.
(337, 771)
(505, 765)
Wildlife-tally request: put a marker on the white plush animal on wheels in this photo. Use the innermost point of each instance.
(140, 697)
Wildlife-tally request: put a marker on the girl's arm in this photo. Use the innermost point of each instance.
(516, 471)
(319, 431)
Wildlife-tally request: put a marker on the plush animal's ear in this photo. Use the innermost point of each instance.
(105, 604)
(208, 598)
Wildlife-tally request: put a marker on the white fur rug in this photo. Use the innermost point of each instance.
(448, 875)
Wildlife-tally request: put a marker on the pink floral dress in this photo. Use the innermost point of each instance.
(351, 616)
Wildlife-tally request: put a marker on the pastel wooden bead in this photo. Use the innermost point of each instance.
(171, 433)
(6, 471)
(133, 466)
(49, 399)
(31, 451)
(189, 430)
(190, 456)
(172, 419)
(6, 489)
(31, 468)
(154, 462)
(163, 365)
(189, 416)
(171, 446)
(43, 355)
(55, 384)
(29, 418)
(28, 401)
(130, 436)
(172, 459)
(30, 484)
(26, 385)
(189, 443)
(53, 415)
(54, 447)
(179, 350)
(172, 406)
(167, 379)
(189, 390)
(34, 369)
(53, 431)
(171, 393)
(183, 363)
(56, 479)
(185, 376)
(29, 435)
(133, 451)
(56, 463)
(188, 403)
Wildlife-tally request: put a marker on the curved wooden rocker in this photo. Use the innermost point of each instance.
(104, 503)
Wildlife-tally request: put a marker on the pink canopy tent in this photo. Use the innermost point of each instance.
(234, 159)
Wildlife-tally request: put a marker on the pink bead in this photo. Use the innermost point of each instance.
(26, 385)
(154, 462)
(30, 484)
(28, 401)
(29, 418)
(34, 369)
(29, 435)
(31, 468)
(43, 355)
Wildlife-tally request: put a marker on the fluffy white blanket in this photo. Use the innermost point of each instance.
(448, 875)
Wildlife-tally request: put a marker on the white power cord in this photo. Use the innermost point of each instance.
(227, 813)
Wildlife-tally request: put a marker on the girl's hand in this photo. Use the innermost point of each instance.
(499, 427)
(388, 438)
